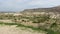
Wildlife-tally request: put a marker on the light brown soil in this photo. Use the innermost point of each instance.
(6, 21)
(4, 29)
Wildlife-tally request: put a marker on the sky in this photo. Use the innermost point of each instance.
(18, 5)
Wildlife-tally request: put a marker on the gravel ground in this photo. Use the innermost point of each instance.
(4, 29)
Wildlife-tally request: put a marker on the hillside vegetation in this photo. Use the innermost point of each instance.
(45, 19)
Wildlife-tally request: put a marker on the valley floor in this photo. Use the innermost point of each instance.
(6, 29)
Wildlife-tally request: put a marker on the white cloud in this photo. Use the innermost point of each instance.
(24, 4)
(45, 2)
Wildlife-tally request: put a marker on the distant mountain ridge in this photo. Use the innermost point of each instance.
(53, 9)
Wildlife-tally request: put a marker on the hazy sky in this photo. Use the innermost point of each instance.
(17, 5)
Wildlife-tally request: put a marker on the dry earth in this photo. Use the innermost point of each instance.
(6, 21)
(5, 29)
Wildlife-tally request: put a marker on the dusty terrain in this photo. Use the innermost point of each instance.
(4, 29)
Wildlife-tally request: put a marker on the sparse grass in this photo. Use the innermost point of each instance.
(35, 19)
(49, 31)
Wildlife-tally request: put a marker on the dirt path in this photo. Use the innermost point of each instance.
(4, 29)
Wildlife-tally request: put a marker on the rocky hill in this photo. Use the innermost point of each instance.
(52, 9)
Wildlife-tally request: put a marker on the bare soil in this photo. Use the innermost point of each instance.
(5, 29)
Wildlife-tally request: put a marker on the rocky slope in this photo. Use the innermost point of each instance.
(52, 9)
